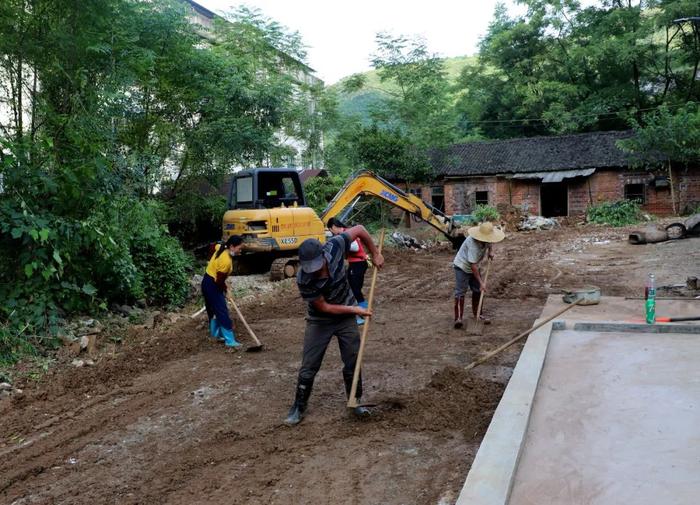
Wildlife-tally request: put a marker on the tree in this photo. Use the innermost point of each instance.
(667, 137)
(421, 103)
(563, 68)
(109, 103)
(414, 115)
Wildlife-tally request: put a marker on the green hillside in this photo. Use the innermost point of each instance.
(374, 91)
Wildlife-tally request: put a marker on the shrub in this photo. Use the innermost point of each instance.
(13, 345)
(52, 265)
(163, 267)
(485, 213)
(620, 213)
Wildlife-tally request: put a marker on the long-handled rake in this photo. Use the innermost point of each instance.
(251, 348)
(476, 326)
(352, 401)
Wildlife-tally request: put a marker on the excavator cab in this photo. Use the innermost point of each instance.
(267, 207)
(266, 188)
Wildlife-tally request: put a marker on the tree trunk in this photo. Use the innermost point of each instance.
(20, 105)
(673, 192)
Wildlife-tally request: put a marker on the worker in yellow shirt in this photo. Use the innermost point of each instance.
(214, 290)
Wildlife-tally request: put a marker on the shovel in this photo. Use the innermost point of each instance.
(251, 348)
(352, 401)
(476, 326)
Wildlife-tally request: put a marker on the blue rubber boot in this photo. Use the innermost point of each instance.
(230, 338)
(215, 329)
(360, 320)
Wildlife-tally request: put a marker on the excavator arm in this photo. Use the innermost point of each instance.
(368, 184)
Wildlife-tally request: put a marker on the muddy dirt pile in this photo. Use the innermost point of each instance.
(452, 400)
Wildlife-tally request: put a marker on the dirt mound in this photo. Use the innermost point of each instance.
(452, 400)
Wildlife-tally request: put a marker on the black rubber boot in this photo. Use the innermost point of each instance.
(296, 413)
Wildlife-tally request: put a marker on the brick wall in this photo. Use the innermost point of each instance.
(687, 184)
(460, 194)
(609, 185)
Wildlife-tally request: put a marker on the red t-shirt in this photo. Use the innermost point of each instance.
(359, 255)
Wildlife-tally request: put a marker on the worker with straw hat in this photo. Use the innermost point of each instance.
(466, 266)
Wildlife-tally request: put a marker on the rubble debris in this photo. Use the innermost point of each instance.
(403, 240)
(511, 216)
(196, 285)
(537, 223)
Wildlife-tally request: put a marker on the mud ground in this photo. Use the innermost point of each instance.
(170, 417)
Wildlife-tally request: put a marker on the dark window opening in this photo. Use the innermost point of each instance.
(438, 197)
(635, 192)
(481, 197)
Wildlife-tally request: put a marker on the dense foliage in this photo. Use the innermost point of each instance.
(114, 114)
(564, 67)
(620, 213)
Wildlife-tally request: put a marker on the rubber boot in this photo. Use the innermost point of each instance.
(230, 338)
(459, 312)
(475, 307)
(361, 320)
(215, 329)
(296, 412)
(359, 411)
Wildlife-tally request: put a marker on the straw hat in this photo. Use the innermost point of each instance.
(486, 232)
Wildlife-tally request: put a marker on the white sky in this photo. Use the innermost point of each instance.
(340, 35)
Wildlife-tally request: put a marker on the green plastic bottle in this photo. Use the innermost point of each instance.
(651, 299)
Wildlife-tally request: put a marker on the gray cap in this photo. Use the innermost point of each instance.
(311, 255)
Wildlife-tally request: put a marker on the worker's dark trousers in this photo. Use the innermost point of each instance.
(316, 339)
(356, 278)
(215, 302)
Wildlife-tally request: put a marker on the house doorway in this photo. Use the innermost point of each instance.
(554, 199)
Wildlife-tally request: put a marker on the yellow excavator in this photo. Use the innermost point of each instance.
(268, 208)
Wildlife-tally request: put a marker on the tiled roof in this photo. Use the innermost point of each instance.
(534, 154)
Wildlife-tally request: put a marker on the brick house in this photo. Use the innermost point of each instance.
(554, 176)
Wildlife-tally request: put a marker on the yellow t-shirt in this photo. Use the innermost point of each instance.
(221, 265)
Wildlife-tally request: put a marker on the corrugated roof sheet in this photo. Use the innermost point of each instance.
(555, 176)
(534, 154)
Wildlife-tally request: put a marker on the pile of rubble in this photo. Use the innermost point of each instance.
(407, 241)
(7, 390)
(537, 223)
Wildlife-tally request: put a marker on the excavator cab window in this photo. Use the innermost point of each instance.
(266, 188)
(275, 189)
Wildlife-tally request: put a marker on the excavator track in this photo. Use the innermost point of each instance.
(283, 268)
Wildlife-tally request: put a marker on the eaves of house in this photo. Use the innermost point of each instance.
(578, 154)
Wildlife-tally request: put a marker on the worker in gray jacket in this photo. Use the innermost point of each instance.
(332, 309)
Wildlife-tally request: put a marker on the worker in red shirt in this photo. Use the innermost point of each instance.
(357, 265)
